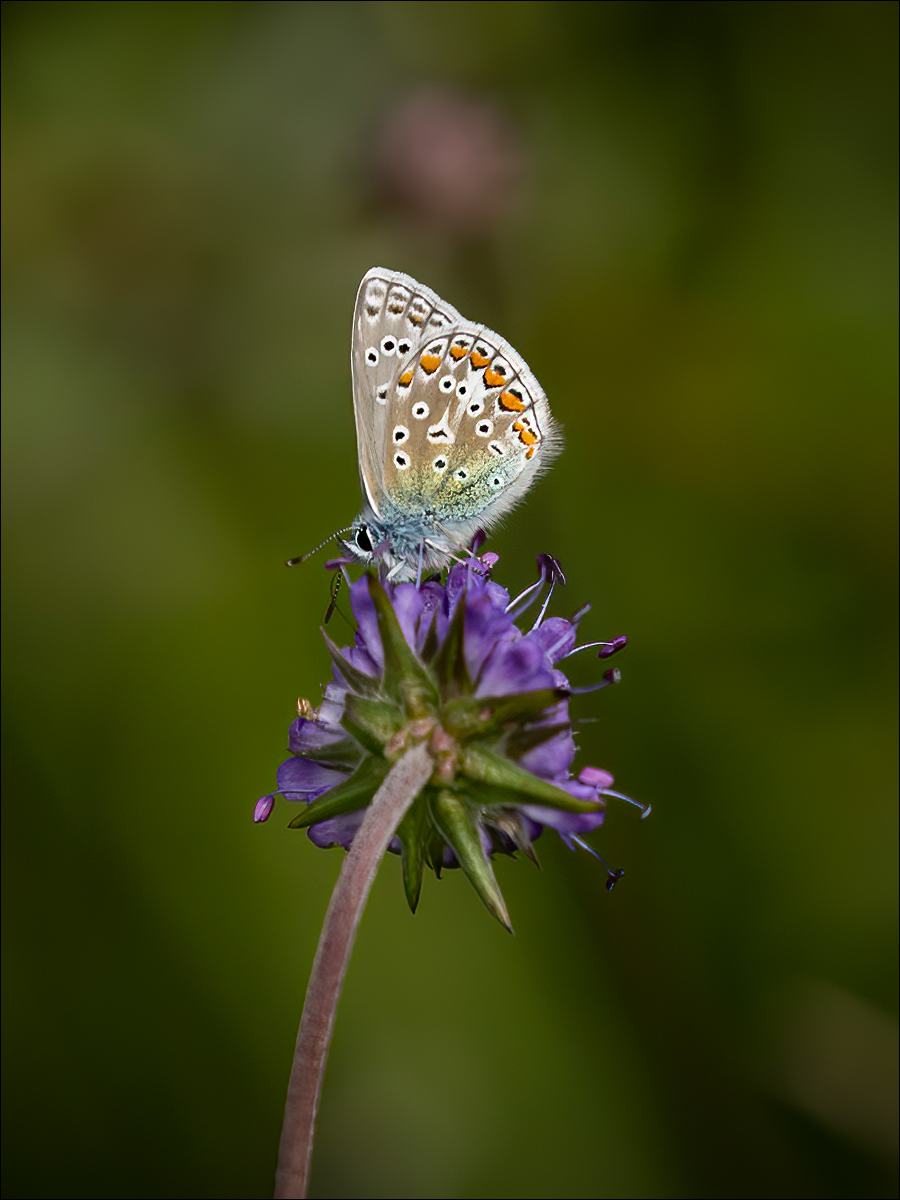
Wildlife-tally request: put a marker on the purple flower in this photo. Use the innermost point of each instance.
(446, 663)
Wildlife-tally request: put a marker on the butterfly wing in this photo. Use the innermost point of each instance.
(393, 318)
(452, 426)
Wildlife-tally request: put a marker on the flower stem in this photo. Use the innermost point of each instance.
(401, 786)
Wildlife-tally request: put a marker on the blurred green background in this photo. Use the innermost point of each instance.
(683, 215)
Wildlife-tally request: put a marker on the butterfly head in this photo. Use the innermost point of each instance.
(401, 549)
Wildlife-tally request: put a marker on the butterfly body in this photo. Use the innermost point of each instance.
(452, 427)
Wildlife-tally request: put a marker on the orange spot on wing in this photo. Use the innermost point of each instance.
(526, 437)
(458, 352)
(511, 403)
(494, 379)
(406, 379)
(430, 363)
(479, 360)
(530, 453)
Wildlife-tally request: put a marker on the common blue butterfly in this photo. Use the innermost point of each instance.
(452, 428)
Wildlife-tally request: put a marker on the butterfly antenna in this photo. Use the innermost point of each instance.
(293, 562)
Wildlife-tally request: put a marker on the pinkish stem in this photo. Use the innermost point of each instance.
(401, 786)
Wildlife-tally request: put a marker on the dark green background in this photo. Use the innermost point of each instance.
(699, 268)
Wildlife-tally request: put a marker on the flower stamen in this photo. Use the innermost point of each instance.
(612, 877)
(644, 809)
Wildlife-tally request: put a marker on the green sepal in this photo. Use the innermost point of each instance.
(358, 681)
(459, 827)
(433, 839)
(519, 741)
(484, 766)
(411, 834)
(450, 662)
(485, 716)
(405, 676)
(372, 722)
(343, 754)
(355, 792)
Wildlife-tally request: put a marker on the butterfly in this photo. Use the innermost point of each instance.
(452, 428)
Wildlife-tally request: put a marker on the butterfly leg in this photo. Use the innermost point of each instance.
(336, 582)
(442, 550)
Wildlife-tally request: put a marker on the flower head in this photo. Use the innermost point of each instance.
(446, 663)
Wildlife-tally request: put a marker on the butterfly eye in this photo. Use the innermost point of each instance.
(363, 541)
(484, 428)
(440, 464)
(401, 460)
(388, 345)
(420, 411)
(371, 356)
(446, 384)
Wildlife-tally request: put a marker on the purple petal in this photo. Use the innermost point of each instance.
(470, 576)
(518, 666)
(563, 822)
(358, 656)
(297, 777)
(311, 735)
(433, 596)
(486, 625)
(339, 831)
(367, 637)
(498, 596)
(556, 637)
(457, 580)
(408, 605)
(552, 759)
